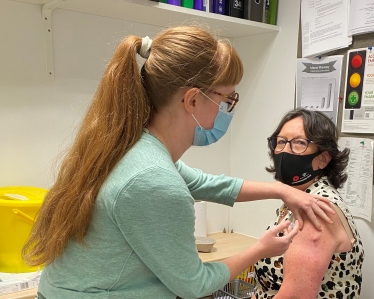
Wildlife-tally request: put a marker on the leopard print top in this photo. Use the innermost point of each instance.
(343, 277)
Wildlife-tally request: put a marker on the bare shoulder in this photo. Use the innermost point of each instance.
(330, 232)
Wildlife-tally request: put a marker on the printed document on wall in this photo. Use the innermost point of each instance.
(318, 84)
(324, 25)
(361, 17)
(357, 190)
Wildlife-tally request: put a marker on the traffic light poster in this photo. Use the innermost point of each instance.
(358, 113)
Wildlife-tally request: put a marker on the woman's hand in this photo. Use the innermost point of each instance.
(270, 244)
(312, 205)
(267, 246)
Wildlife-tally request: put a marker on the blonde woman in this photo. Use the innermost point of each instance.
(119, 220)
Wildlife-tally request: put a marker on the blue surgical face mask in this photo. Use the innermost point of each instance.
(222, 121)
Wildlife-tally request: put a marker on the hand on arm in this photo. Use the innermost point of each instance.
(296, 200)
(267, 246)
(312, 205)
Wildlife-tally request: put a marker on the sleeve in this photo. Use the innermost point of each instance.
(220, 189)
(155, 214)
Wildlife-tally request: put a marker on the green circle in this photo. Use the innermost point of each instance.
(353, 98)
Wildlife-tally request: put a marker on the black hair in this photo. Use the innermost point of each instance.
(323, 132)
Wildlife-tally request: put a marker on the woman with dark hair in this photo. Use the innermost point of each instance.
(318, 264)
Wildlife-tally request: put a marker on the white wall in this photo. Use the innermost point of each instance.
(38, 116)
(267, 92)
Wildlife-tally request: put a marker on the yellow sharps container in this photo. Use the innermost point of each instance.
(19, 206)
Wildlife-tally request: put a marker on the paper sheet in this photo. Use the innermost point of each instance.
(357, 190)
(361, 17)
(318, 84)
(317, 94)
(324, 26)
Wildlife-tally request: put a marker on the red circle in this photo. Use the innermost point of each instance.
(356, 61)
(295, 178)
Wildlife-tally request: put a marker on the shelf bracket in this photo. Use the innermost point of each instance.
(48, 36)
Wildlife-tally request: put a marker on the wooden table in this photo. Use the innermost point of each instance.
(28, 294)
(226, 245)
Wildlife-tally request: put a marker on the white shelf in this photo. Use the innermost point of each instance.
(160, 14)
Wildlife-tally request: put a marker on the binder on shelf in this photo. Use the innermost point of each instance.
(219, 6)
(254, 10)
(273, 11)
(266, 18)
(235, 8)
(175, 2)
(198, 4)
(208, 5)
(187, 3)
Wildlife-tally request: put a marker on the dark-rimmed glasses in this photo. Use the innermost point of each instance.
(297, 145)
(234, 99)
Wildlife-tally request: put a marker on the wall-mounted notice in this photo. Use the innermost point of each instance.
(318, 84)
(358, 113)
(324, 26)
(357, 190)
(361, 17)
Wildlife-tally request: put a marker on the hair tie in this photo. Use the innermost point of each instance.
(146, 47)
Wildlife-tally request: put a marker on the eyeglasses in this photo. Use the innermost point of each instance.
(234, 99)
(297, 145)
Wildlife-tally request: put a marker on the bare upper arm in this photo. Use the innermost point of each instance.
(308, 257)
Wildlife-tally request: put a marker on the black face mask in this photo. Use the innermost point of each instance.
(295, 170)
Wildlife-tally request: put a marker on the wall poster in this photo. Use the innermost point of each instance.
(358, 113)
(318, 84)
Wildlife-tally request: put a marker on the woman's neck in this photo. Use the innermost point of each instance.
(171, 136)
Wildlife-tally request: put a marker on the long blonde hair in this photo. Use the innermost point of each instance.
(122, 106)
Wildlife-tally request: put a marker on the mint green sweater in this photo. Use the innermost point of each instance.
(141, 243)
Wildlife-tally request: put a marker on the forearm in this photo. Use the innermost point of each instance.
(241, 261)
(251, 191)
(220, 189)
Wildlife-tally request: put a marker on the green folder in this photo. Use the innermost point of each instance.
(273, 10)
(187, 3)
